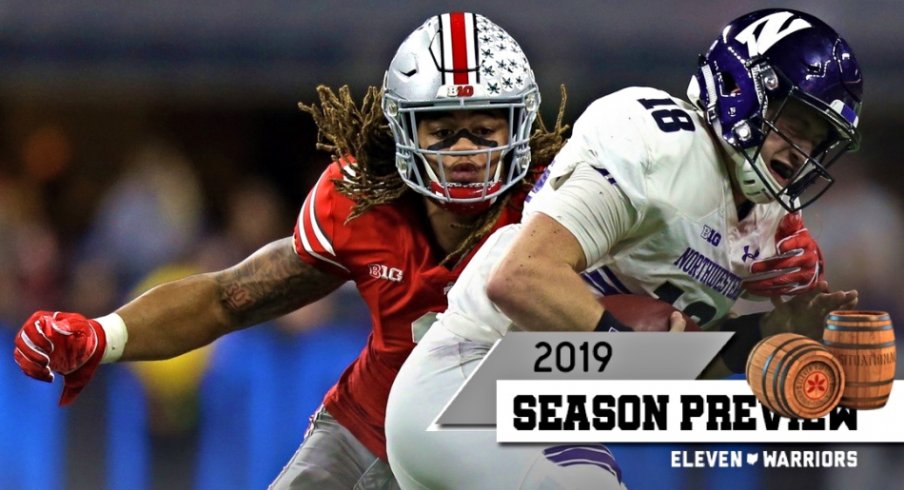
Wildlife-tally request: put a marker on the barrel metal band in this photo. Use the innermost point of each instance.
(845, 345)
(852, 327)
(852, 384)
(769, 361)
(865, 399)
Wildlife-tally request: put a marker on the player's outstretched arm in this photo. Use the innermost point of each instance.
(170, 319)
(803, 314)
(806, 313)
(179, 316)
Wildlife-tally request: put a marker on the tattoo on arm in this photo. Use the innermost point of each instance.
(271, 282)
(236, 298)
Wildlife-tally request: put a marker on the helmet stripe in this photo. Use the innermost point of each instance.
(845, 111)
(459, 47)
(446, 31)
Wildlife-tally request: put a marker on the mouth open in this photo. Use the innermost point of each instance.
(782, 170)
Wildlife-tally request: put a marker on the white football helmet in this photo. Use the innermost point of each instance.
(458, 61)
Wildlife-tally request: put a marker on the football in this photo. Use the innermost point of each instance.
(643, 313)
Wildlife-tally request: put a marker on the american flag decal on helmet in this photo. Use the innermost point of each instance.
(458, 57)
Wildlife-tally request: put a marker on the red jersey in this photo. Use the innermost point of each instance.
(389, 255)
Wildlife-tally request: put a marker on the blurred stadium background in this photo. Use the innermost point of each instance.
(142, 142)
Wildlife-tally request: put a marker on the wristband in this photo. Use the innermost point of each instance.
(117, 336)
(608, 323)
(747, 333)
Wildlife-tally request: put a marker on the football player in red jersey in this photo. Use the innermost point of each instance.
(400, 212)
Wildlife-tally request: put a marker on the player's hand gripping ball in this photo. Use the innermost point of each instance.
(644, 313)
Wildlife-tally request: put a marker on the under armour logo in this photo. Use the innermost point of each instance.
(749, 255)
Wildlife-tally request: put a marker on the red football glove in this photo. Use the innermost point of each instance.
(797, 268)
(66, 343)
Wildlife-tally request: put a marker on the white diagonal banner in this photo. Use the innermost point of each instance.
(579, 356)
(692, 411)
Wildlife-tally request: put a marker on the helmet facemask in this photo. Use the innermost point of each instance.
(413, 156)
(811, 178)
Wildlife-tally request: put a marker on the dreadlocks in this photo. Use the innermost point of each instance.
(346, 129)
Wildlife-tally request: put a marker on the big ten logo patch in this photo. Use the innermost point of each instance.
(380, 271)
(460, 90)
(712, 236)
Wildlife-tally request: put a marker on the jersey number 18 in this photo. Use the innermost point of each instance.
(668, 120)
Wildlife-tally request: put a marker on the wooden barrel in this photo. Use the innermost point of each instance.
(864, 343)
(795, 376)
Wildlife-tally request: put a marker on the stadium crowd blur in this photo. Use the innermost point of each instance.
(108, 188)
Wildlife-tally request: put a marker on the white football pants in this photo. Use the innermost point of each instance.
(472, 459)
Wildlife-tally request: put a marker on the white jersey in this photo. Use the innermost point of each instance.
(685, 245)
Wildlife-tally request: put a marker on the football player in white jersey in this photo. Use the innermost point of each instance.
(652, 195)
